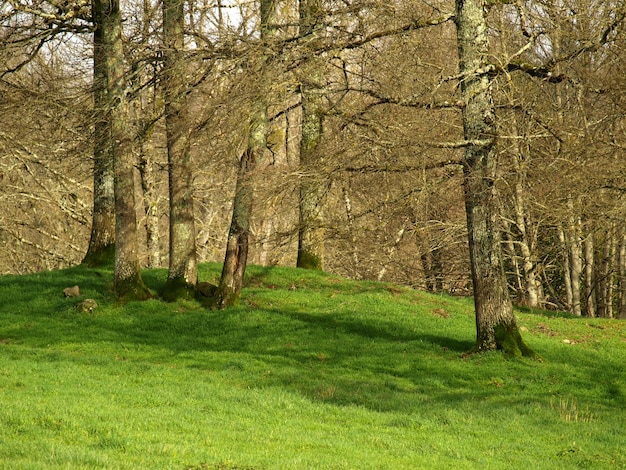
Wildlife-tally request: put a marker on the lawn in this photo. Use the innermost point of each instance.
(311, 371)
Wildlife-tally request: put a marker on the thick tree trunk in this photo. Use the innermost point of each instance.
(183, 270)
(128, 284)
(312, 187)
(495, 323)
(101, 249)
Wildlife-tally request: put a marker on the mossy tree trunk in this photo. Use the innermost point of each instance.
(236, 258)
(183, 270)
(312, 185)
(128, 284)
(495, 323)
(101, 250)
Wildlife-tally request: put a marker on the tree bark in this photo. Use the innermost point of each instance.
(575, 253)
(183, 267)
(590, 288)
(235, 261)
(567, 272)
(621, 283)
(128, 284)
(496, 327)
(312, 187)
(236, 258)
(101, 250)
(151, 204)
(528, 263)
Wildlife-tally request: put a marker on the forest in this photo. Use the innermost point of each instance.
(470, 147)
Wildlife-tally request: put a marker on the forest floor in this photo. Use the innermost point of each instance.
(311, 371)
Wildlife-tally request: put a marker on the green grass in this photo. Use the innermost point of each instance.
(311, 372)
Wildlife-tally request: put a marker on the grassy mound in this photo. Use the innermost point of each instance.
(310, 371)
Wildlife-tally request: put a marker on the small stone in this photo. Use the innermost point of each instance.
(71, 291)
(87, 306)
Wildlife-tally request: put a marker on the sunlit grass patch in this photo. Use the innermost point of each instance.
(311, 371)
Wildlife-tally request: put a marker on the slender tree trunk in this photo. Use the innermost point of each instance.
(575, 253)
(610, 270)
(590, 290)
(236, 258)
(509, 243)
(621, 284)
(101, 249)
(312, 187)
(529, 265)
(183, 270)
(604, 271)
(567, 273)
(496, 327)
(352, 234)
(128, 284)
(150, 202)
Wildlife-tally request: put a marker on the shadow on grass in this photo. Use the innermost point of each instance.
(338, 357)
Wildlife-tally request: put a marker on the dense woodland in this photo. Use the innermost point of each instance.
(425, 143)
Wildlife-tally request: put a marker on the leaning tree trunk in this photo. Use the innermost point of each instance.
(128, 284)
(183, 269)
(496, 327)
(101, 248)
(312, 186)
(236, 258)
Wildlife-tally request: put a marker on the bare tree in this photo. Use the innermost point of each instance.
(101, 249)
(496, 327)
(236, 257)
(128, 283)
(183, 271)
(312, 184)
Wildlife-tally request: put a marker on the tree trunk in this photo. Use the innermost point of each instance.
(236, 258)
(128, 284)
(151, 204)
(575, 253)
(312, 187)
(567, 272)
(590, 288)
(495, 323)
(621, 284)
(101, 249)
(183, 270)
(605, 253)
(528, 263)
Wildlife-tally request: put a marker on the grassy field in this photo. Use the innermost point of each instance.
(311, 372)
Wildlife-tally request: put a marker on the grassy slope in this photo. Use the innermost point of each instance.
(312, 371)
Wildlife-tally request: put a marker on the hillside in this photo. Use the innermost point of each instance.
(311, 371)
